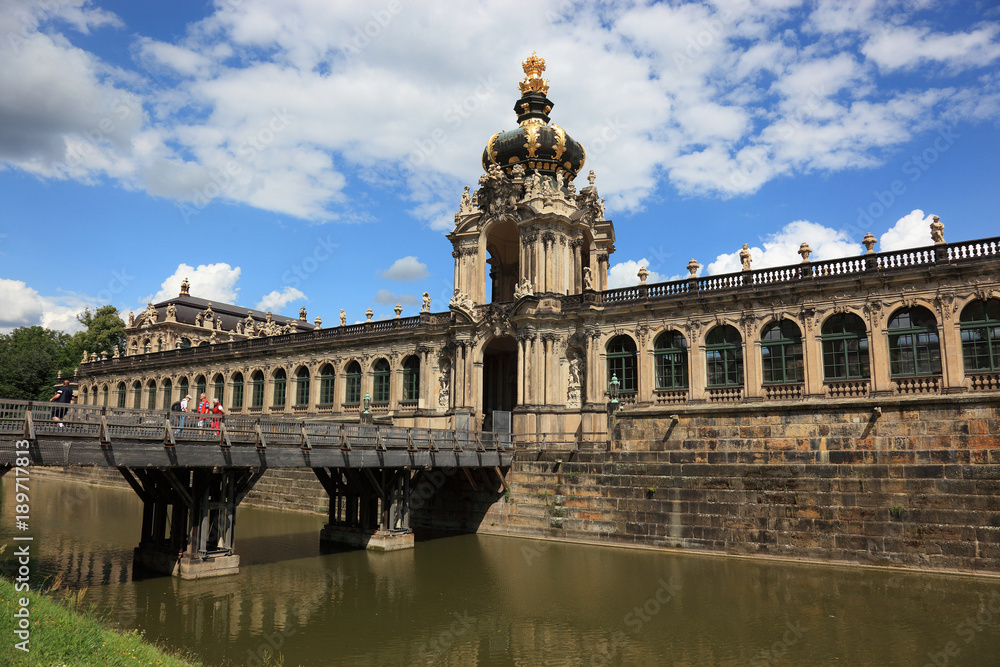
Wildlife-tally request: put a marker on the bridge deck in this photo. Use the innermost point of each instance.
(62, 434)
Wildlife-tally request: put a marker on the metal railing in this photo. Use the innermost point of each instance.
(29, 420)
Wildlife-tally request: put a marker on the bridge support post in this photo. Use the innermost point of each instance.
(196, 541)
(369, 507)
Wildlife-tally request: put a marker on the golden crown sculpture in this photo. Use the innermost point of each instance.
(533, 81)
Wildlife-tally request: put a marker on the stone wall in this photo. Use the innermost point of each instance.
(917, 485)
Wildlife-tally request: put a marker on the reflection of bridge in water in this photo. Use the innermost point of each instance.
(191, 471)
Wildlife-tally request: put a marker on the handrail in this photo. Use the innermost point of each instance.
(110, 424)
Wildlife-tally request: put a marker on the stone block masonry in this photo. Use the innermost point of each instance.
(915, 485)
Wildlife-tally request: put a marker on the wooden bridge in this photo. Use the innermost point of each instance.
(192, 470)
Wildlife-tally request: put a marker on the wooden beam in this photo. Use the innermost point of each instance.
(246, 483)
(468, 476)
(29, 424)
(168, 433)
(144, 496)
(503, 482)
(180, 488)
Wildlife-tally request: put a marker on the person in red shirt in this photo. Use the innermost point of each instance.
(218, 410)
(203, 409)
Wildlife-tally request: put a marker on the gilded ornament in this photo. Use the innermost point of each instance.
(489, 149)
(560, 146)
(532, 143)
(533, 81)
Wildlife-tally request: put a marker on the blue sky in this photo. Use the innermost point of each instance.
(284, 153)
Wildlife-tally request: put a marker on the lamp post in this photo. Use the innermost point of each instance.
(366, 416)
(613, 388)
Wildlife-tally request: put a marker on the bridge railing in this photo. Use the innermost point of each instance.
(30, 419)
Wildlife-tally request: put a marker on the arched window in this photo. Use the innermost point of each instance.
(199, 388)
(670, 352)
(724, 356)
(913, 343)
(84, 395)
(151, 395)
(168, 393)
(326, 386)
(845, 348)
(622, 363)
(280, 389)
(136, 394)
(104, 395)
(352, 384)
(121, 394)
(257, 390)
(411, 379)
(236, 403)
(182, 385)
(380, 385)
(185, 344)
(781, 352)
(302, 386)
(204, 343)
(980, 323)
(218, 386)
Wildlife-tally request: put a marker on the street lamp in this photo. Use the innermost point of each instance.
(613, 388)
(367, 402)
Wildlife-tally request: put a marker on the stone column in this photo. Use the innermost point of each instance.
(950, 337)
(812, 352)
(878, 354)
(697, 370)
(751, 366)
(576, 277)
(647, 373)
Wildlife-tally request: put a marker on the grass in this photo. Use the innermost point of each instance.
(62, 635)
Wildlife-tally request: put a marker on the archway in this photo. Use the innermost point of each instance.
(504, 246)
(499, 378)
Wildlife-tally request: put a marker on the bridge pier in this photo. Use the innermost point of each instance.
(369, 507)
(189, 518)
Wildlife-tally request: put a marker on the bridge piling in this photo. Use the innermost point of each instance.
(369, 507)
(201, 504)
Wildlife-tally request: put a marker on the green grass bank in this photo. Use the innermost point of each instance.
(60, 635)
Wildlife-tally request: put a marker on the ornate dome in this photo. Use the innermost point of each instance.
(536, 145)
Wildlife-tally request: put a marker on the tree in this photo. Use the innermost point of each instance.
(30, 360)
(105, 331)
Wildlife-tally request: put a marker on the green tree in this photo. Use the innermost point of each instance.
(104, 332)
(30, 360)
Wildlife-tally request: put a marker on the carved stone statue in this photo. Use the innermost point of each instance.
(131, 319)
(466, 201)
(588, 281)
(115, 353)
(343, 318)
(745, 256)
(444, 382)
(523, 289)
(171, 312)
(560, 181)
(591, 177)
(426, 307)
(461, 301)
(937, 230)
(151, 313)
(85, 357)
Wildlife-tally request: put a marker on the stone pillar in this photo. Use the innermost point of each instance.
(952, 363)
(812, 352)
(647, 373)
(752, 389)
(697, 371)
(878, 356)
(576, 284)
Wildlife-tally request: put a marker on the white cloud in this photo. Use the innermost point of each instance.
(23, 306)
(270, 104)
(406, 269)
(911, 231)
(388, 298)
(625, 274)
(214, 282)
(782, 248)
(275, 300)
(908, 47)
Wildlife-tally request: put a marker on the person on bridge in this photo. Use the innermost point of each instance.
(183, 410)
(218, 410)
(63, 395)
(203, 409)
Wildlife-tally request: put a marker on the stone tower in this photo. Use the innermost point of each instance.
(527, 230)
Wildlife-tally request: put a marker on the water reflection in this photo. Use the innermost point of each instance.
(478, 600)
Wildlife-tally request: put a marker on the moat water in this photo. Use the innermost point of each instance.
(481, 600)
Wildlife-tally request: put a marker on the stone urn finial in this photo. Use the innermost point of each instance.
(804, 251)
(368, 315)
(643, 274)
(693, 267)
(869, 242)
(398, 310)
(318, 322)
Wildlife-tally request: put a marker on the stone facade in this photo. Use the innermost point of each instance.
(534, 330)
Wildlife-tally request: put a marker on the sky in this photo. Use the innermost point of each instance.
(290, 153)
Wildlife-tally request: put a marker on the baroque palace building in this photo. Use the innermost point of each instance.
(534, 330)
